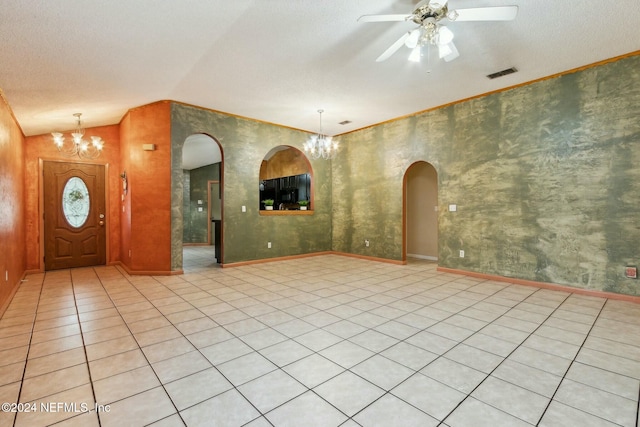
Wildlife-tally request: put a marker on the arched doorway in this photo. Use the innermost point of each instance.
(421, 212)
(202, 176)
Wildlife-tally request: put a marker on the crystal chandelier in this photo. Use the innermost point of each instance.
(78, 146)
(321, 145)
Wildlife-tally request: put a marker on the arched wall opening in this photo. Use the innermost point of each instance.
(286, 180)
(202, 197)
(420, 212)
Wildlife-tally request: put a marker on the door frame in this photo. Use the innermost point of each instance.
(209, 182)
(107, 204)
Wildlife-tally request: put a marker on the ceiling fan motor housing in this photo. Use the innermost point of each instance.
(421, 14)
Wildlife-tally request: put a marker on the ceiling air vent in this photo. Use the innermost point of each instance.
(345, 122)
(502, 73)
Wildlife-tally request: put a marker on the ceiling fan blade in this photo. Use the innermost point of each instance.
(393, 48)
(499, 13)
(383, 18)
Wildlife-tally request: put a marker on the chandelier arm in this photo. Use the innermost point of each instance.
(320, 145)
(78, 146)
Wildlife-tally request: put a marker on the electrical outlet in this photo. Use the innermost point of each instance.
(461, 254)
(366, 242)
(268, 245)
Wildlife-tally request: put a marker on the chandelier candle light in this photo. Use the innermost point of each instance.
(78, 146)
(321, 145)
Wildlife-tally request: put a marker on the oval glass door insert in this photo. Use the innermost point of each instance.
(75, 202)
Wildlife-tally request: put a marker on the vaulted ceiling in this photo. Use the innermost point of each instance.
(279, 61)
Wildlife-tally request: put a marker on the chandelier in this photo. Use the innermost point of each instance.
(78, 146)
(321, 145)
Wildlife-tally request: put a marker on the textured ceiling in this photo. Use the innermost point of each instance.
(279, 60)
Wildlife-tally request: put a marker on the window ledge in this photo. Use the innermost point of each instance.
(285, 213)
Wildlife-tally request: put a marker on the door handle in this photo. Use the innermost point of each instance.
(101, 223)
(101, 216)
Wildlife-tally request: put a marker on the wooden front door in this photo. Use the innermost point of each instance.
(74, 215)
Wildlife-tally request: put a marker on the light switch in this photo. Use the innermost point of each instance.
(244, 209)
(453, 208)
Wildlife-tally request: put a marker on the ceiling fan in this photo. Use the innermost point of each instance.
(430, 17)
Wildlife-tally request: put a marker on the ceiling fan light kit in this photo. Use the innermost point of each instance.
(432, 31)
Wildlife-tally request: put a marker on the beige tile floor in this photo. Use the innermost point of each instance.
(320, 341)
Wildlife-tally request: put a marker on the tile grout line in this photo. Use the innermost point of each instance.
(139, 347)
(571, 364)
(310, 290)
(196, 349)
(442, 422)
(314, 352)
(84, 347)
(389, 392)
(440, 321)
(31, 338)
(638, 409)
(278, 368)
(26, 361)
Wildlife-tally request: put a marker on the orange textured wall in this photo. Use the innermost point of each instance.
(12, 237)
(41, 148)
(149, 174)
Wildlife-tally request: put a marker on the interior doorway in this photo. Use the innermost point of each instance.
(202, 177)
(421, 212)
(74, 215)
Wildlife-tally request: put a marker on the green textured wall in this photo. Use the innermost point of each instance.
(546, 178)
(244, 144)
